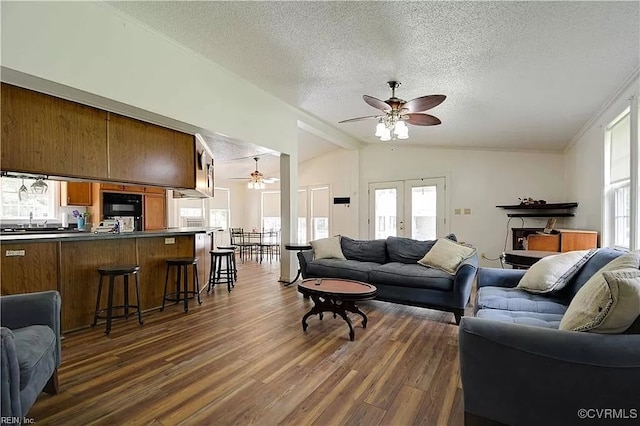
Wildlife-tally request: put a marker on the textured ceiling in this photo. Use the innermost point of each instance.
(517, 75)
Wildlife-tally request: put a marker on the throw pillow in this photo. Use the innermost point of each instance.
(446, 255)
(610, 305)
(552, 273)
(327, 248)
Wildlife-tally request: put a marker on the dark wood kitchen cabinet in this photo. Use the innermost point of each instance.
(155, 212)
(46, 135)
(145, 153)
(75, 194)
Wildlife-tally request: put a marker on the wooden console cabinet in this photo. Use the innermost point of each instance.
(565, 240)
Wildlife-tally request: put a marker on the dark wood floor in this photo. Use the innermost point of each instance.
(242, 358)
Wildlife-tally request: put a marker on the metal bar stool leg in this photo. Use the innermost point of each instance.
(110, 304)
(126, 296)
(195, 274)
(95, 315)
(166, 282)
(138, 299)
(185, 270)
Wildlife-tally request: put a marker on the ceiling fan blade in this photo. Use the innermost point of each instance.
(424, 103)
(376, 103)
(358, 119)
(419, 119)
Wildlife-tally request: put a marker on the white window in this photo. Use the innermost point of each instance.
(319, 212)
(271, 210)
(219, 211)
(28, 203)
(618, 195)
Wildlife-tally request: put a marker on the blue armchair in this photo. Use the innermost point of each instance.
(30, 331)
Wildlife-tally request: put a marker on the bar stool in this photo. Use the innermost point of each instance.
(112, 272)
(233, 259)
(217, 271)
(184, 294)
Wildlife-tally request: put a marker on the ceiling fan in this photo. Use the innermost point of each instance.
(257, 180)
(398, 112)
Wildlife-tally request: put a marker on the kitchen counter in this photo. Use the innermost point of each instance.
(34, 236)
(68, 262)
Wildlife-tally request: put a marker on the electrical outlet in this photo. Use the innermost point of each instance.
(467, 211)
(170, 240)
(15, 253)
(457, 211)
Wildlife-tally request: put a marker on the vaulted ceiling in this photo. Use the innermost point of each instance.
(517, 75)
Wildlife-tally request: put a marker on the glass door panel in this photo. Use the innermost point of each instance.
(385, 204)
(425, 201)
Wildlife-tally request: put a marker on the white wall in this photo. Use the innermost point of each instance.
(479, 180)
(584, 160)
(338, 169)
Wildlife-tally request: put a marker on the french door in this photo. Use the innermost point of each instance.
(409, 208)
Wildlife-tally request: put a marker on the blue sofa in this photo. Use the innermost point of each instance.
(391, 265)
(30, 345)
(517, 368)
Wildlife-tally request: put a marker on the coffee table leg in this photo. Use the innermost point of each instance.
(351, 307)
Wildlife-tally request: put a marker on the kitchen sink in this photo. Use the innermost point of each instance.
(34, 230)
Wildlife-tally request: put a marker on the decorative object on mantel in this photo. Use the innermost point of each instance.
(398, 112)
(527, 201)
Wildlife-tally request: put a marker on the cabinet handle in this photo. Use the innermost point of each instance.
(68, 200)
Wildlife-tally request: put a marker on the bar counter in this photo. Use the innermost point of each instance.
(68, 262)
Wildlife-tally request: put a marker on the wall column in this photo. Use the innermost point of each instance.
(288, 214)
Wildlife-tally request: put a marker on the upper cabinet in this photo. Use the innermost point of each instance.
(146, 153)
(45, 135)
(75, 194)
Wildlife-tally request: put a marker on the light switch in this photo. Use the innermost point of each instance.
(467, 211)
(170, 240)
(457, 211)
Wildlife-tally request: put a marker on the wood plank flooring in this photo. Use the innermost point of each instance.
(242, 358)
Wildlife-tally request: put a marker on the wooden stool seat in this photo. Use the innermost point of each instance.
(182, 292)
(112, 272)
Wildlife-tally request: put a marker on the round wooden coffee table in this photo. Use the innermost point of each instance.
(337, 296)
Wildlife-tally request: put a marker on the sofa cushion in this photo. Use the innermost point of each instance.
(552, 273)
(364, 250)
(337, 268)
(35, 347)
(603, 257)
(538, 319)
(446, 255)
(327, 248)
(407, 275)
(408, 250)
(513, 299)
(610, 305)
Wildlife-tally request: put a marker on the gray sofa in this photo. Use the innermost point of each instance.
(30, 349)
(517, 368)
(391, 265)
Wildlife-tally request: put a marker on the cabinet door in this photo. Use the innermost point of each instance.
(29, 267)
(153, 190)
(46, 135)
(75, 194)
(132, 188)
(154, 212)
(111, 187)
(145, 153)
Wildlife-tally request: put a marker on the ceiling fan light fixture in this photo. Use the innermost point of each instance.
(400, 128)
(380, 128)
(386, 135)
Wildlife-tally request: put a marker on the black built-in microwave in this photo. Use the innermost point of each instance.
(118, 204)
